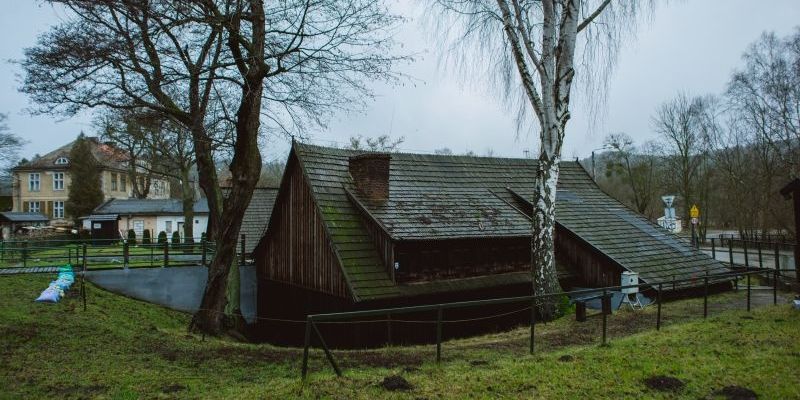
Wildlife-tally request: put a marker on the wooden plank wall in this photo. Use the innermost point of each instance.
(592, 268)
(461, 258)
(383, 243)
(296, 249)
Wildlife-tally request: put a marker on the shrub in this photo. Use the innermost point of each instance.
(146, 237)
(162, 237)
(132, 237)
(176, 238)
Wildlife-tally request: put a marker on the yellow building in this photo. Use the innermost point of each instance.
(42, 184)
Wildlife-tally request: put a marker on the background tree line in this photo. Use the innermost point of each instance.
(730, 153)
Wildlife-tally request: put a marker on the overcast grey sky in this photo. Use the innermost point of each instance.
(690, 45)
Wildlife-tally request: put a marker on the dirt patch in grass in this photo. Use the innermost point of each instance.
(566, 358)
(14, 336)
(173, 388)
(395, 383)
(664, 383)
(383, 359)
(736, 393)
(79, 391)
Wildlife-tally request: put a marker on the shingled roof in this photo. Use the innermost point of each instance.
(433, 197)
(256, 217)
(106, 155)
(148, 207)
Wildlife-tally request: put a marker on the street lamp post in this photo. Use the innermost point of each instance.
(594, 171)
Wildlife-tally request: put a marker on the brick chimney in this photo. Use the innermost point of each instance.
(370, 172)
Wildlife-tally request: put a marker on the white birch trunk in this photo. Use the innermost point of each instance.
(550, 102)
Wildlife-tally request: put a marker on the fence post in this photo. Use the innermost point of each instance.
(203, 250)
(748, 292)
(166, 254)
(774, 287)
(328, 354)
(730, 252)
(746, 257)
(533, 323)
(83, 278)
(241, 262)
(439, 335)
(126, 253)
(658, 314)
(778, 259)
(389, 329)
(24, 254)
(760, 260)
(605, 316)
(713, 249)
(306, 343)
(705, 296)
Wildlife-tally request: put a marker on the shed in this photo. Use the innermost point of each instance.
(14, 222)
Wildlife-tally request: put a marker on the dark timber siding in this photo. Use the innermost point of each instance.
(296, 249)
(593, 268)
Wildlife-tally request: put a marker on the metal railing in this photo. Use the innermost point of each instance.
(312, 321)
(118, 255)
(756, 254)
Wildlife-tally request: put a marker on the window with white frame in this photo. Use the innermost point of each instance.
(168, 227)
(58, 181)
(58, 209)
(33, 206)
(33, 182)
(113, 181)
(123, 183)
(62, 161)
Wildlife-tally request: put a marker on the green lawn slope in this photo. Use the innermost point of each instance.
(125, 349)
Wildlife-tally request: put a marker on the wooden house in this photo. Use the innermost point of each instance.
(360, 230)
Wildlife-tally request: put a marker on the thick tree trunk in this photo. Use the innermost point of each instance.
(245, 171)
(187, 200)
(543, 268)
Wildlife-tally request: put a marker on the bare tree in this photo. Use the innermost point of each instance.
(636, 167)
(679, 122)
(380, 143)
(531, 45)
(766, 95)
(10, 144)
(292, 62)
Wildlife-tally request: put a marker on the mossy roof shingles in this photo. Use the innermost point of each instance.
(433, 197)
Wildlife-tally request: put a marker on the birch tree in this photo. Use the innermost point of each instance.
(533, 47)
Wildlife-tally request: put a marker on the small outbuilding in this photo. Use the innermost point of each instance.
(12, 223)
(115, 217)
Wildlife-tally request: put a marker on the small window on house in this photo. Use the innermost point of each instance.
(58, 181)
(113, 181)
(123, 183)
(58, 209)
(168, 227)
(33, 182)
(62, 161)
(33, 206)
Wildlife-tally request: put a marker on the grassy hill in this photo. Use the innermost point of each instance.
(125, 349)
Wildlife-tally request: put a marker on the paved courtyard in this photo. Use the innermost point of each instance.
(179, 288)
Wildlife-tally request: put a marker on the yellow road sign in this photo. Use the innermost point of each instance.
(694, 212)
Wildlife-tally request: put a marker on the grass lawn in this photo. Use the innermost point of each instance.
(125, 349)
